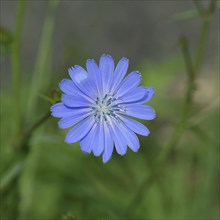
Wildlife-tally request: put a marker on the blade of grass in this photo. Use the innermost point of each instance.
(16, 67)
(43, 63)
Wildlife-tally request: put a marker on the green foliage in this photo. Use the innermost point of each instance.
(58, 178)
(50, 180)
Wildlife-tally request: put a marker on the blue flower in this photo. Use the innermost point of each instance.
(97, 102)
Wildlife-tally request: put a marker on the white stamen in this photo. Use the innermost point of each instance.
(106, 107)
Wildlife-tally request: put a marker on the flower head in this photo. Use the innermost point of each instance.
(97, 103)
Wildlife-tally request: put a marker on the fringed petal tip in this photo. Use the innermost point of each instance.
(98, 102)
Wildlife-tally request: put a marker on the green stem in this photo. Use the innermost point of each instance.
(23, 145)
(41, 68)
(175, 137)
(16, 66)
(206, 16)
(201, 45)
(43, 63)
(14, 172)
(11, 176)
(181, 126)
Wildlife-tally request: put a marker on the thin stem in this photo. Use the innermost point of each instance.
(206, 16)
(14, 172)
(175, 137)
(43, 63)
(23, 145)
(41, 67)
(201, 45)
(11, 176)
(181, 126)
(16, 65)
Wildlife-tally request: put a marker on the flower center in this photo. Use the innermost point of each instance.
(106, 107)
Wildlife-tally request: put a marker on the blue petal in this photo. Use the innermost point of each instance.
(82, 80)
(69, 121)
(78, 74)
(140, 111)
(120, 142)
(99, 146)
(134, 94)
(80, 130)
(120, 72)
(59, 110)
(68, 86)
(135, 126)
(130, 82)
(94, 70)
(130, 137)
(109, 145)
(148, 96)
(86, 143)
(106, 66)
(75, 101)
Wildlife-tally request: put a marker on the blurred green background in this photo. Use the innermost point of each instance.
(43, 178)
